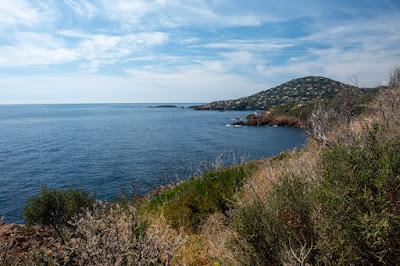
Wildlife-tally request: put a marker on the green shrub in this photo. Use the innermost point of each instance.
(282, 223)
(55, 208)
(359, 204)
(190, 203)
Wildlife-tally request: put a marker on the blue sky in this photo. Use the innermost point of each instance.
(71, 51)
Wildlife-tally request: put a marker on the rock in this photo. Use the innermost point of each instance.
(239, 123)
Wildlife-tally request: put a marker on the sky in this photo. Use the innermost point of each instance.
(92, 51)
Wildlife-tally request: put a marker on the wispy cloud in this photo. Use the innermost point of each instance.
(263, 44)
(83, 8)
(18, 12)
(91, 50)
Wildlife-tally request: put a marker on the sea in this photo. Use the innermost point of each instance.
(113, 149)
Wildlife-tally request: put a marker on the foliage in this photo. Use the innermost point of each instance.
(300, 111)
(283, 222)
(359, 203)
(190, 203)
(55, 208)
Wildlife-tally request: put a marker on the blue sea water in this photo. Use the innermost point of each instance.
(105, 148)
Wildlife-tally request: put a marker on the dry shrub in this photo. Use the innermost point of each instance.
(394, 82)
(288, 164)
(195, 251)
(218, 234)
(384, 112)
(387, 106)
(273, 221)
(327, 115)
(116, 236)
(339, 123)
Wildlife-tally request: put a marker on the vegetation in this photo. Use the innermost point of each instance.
(295, 91)
(117, 236)
(334, 202)
(358, 201)
(271, 227)
(56, 208)
(191, 202)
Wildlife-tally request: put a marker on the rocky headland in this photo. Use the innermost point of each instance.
(288, 104)
(294, 91)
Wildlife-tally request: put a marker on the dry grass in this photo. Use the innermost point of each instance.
(218, 234)
(195, 251)
(294, 163)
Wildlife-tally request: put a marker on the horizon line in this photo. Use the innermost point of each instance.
(93, 103)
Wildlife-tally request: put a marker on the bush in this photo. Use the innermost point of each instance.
(189, 204)
(55, 208)
(358, 201)
(115, 235)
(269, 231)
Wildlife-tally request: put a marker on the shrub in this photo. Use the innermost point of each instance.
(386, 106)
(211, 193)
(55, 208)
(115, 235)
(340, 111)
(268, 230)
(189, 204)
(358, 201)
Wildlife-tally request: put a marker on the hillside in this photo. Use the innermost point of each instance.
(296, 90)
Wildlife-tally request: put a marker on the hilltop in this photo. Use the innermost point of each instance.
(294, 91)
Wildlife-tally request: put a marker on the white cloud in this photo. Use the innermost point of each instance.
(18, 12)
(72, 33)
(188, 41)
(152, 14)
(27, 14)
(127, 12)
(261, 45)
(105, 49)
(30, 49)
(82, 8)
(370, 68)
(94, 50)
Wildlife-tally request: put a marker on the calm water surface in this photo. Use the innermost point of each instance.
(105, 147)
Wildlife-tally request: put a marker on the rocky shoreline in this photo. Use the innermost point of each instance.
(269, 119)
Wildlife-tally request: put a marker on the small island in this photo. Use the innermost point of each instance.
(166, 106)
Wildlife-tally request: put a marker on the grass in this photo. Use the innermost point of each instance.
(190, 202)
